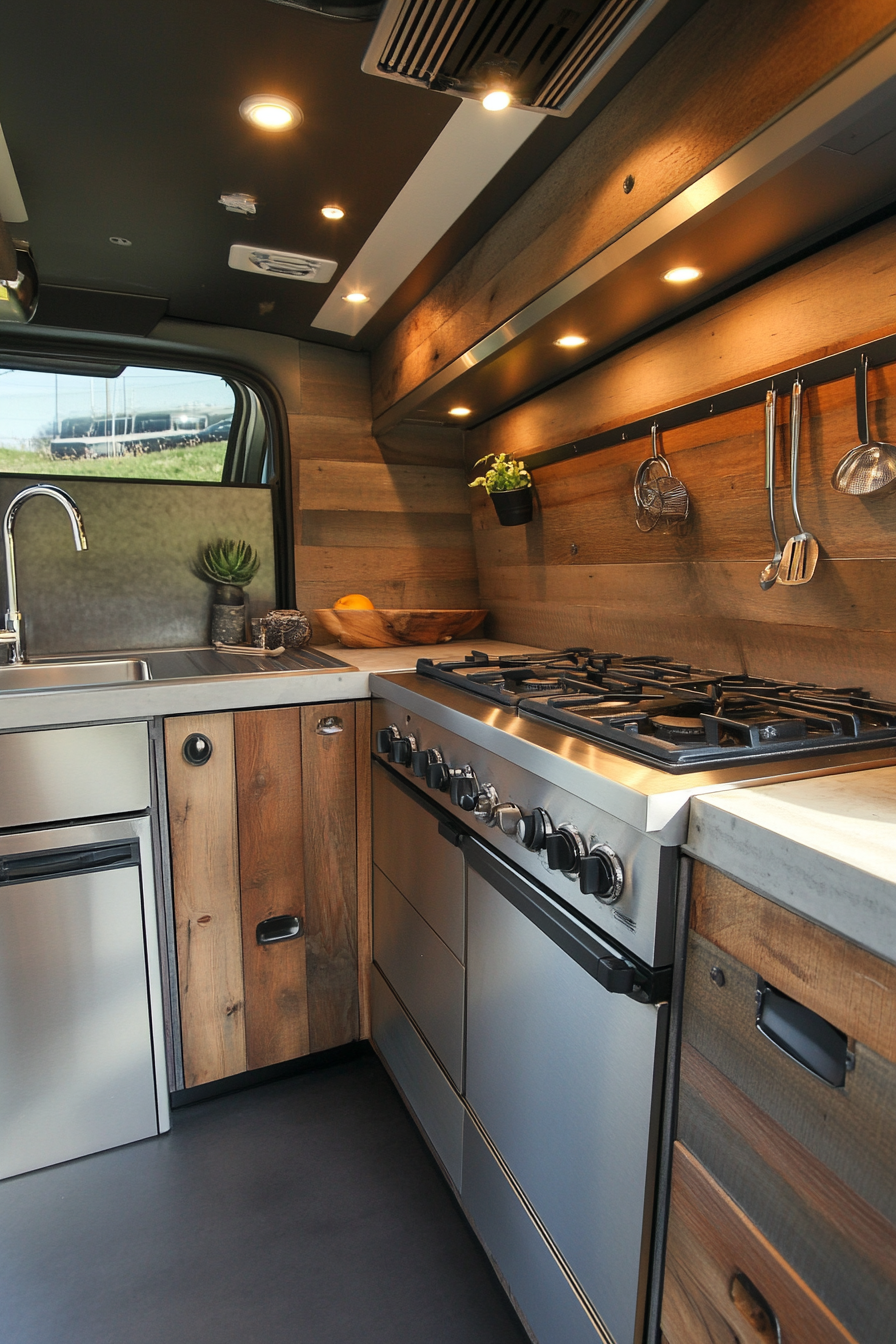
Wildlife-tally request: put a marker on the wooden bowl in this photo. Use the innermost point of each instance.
(388, 629)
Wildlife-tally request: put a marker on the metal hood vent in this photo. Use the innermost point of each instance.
(546, 53)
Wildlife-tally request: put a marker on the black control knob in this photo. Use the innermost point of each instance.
(601, 874)
(533, 830)
(464, 791)
(565, 849)
(402, 749)
(437, 775)
(421, 759)
(385, 737)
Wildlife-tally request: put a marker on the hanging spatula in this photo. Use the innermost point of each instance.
(801, 550)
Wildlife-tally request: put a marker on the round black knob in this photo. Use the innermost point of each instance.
(437, 775)
(601, 874)
(400, 751)
(561, 851)
(533, 830)
(419, 762)
(385, 737)
(197, 749)
(463, 792)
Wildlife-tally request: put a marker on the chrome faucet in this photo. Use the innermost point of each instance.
(11, 634)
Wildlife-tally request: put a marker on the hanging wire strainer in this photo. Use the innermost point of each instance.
(658, 494)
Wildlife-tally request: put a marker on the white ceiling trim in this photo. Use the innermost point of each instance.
(472, 148)
(12, 207)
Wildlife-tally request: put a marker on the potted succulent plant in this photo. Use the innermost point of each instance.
(509, 487)
(230, 565)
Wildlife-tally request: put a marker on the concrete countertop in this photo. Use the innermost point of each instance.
(824, 847)
(238, 690)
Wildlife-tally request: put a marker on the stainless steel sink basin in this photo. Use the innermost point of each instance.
(85, 672)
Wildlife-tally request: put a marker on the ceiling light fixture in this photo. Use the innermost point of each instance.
(356, 297)
(569, 342)
(460, 410)
(333, 212)
(270, 112)
(680, 275)
(496, 100)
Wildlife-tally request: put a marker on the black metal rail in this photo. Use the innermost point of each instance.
(813, 374)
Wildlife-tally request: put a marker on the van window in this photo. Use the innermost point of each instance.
(146, 423)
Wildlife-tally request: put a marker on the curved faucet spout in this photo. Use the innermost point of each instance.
(11, 634)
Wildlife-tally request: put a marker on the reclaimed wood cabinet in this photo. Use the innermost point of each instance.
(782, 1219)
(270, 882)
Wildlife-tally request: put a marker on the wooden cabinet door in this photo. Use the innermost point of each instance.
(205, 873)
(266, 826)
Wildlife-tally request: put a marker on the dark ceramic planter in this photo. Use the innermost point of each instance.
(513, 506)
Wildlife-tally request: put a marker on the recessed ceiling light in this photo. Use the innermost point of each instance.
(120, 242)
(270, 112)
(332, 212)
(459, 410)
(496, 101)
(356, 297)
(679, 275)
(568, 342)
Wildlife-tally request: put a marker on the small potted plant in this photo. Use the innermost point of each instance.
(230, 565)
(509, 487)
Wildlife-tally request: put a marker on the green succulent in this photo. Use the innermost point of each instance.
(508, 473)
(229, 562)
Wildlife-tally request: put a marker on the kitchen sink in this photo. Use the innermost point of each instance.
(85, 672)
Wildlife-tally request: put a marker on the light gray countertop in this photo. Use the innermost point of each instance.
(238, 686)
(823, 847)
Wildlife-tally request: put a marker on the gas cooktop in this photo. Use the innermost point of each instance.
(671, 714)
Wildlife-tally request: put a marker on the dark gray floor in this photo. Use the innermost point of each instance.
(307, 1211)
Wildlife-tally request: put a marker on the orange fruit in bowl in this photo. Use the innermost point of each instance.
(353, 602)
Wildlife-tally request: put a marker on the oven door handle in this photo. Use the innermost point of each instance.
(617, 974)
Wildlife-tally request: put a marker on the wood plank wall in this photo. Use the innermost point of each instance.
(730, 71)
(387, 517)
(582, 573)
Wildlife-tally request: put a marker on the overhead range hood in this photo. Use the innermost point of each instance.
(826, 164)
(546, 54)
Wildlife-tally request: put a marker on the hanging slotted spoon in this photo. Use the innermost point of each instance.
(870, 467)
(770, 573)
(800, 554)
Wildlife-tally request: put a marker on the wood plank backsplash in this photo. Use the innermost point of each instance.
(388, 517)
(582, 573)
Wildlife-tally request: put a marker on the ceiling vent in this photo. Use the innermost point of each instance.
(548, 54)
(284, 265)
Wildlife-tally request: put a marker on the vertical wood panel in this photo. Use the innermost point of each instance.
(205, 872)
(331, 879)
(269, 793)
(365, 862)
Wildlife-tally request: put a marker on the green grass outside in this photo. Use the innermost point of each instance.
(204, 462)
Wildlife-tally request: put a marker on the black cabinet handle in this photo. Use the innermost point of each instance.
(197, 749)
(279, 929)
(801, 1033)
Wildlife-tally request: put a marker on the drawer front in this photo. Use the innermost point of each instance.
(436, 1106)
(717, 1262)
(60, 774)
(427, 869)
(423, 972)
(525, 1261)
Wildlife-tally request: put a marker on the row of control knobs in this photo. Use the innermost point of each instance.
(597, 867)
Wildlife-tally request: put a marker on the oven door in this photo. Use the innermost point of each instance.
(564, 1077)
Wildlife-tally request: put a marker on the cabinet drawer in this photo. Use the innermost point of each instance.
(424, 973)
(437, 1107)
(61, 774)
(712, 1244)
(426, 868)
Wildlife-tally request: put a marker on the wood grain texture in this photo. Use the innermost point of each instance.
(712, 87)
(387, 629)
(830, 1234)
(389, 517)
(331, 875)
(848, 1130)
(835, 978)
(365, 862)
(205, 872)
(269, 801)
(710, 1241)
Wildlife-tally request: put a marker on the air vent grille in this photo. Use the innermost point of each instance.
(283, 265)
(548, 53)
